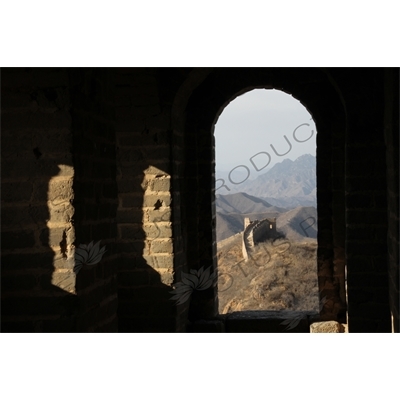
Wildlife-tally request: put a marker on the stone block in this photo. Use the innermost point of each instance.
(326, 327)
(161, 246)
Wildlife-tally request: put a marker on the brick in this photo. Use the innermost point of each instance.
(65, 281)
(104, 170)
(369, 233)
(131, 231)
(152, 170)
(131, 215)
(103, 230)
(366, 248)
(15, 217)
(157, 261)
(158, 230)
(43, 168)
(109, 326)
(44, 261)
(366, 216)
(150, 231)
(12, 99)
(55, 120)
(28, 77)
(128, 201)
(132, 185)
(361, 183)
(17, 240)
(161, 215)
(133, 278)
(108, 210)
(35, 305)
(61, 214)
(60, 325)
(129, 156)
(60, 190)
(130, 247)
(54, 236)
(91, 212)
(161, 246)
(163, 185)
(369, 311)
(13, 283)
(13, 192)
(110, 190)
(46, 141)
(17, 326)
(157, 201)
(365, 280)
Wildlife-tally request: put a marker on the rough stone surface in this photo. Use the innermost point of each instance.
(326, 327)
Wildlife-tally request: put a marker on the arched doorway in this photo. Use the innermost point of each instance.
(265, 197)
(203, 101)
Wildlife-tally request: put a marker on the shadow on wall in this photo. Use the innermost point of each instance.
(36, 271)
(40, 291)
(35, 259)
(145, 264)
(145, 267)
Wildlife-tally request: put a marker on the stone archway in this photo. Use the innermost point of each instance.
(206, 100)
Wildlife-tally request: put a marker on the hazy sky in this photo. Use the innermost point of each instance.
(253, 122)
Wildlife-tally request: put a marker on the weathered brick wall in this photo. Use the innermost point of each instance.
(366, 203)
(331, 128)
(126, 156)
(95, 194)
(38, 283)
(391, 121)
(147, 229)
(58, 191)
(256, 232)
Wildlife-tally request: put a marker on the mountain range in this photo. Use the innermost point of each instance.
(296, 224)
(288, 184)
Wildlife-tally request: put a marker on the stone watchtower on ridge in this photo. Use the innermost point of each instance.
(257, 231)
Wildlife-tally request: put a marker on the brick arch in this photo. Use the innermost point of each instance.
(206, 101)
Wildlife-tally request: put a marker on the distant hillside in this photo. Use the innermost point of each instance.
(299, 224)
(243, 203)
(233, 208)
(278, 276)
(287, 184)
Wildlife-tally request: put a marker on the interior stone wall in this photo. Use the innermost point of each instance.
(392, 132)
(366, 202)
(58, 192)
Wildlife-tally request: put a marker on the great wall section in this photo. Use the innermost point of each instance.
(255, 232)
